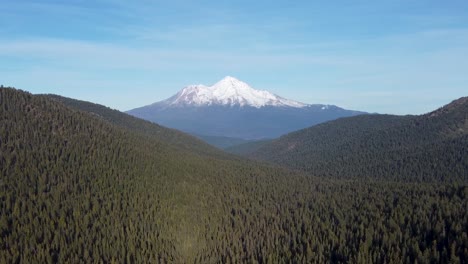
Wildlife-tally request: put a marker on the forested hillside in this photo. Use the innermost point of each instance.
(431, 147)
(172, 137)
(248, 148)
(78, 186)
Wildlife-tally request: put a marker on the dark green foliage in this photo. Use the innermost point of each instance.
(172, 137)
(222, 142)
(76, 188)
(431, 147)
(248, 148)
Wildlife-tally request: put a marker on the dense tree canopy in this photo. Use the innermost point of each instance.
(431, 147)
(76, 186)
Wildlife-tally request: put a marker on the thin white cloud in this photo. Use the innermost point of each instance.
(142, 39)
(102, 55)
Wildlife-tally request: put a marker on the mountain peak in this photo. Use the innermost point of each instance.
(231, 82)
(229, 79)
(229, 92)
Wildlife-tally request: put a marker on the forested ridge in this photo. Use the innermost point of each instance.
(81, 185)
(427, 148)
(172, 137)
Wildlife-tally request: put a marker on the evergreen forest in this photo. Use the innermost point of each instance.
(82, 183)
(428, 148)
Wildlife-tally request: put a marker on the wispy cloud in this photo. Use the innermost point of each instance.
(102, 55)
(366, 53)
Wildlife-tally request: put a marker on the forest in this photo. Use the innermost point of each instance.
(82, 183)
(428, 148)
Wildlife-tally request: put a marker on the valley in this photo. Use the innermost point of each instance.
(81, 182)
(259, 132)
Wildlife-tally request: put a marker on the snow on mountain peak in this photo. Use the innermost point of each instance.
(229, 91)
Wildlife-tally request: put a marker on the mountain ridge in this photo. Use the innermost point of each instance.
(229, 92)
(429, 147)
(231, 108)
(175, 138)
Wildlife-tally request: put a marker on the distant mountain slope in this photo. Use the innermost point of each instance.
(431, 147)
(247, 148)
(222, 142)
(77, 188)
(231, 108)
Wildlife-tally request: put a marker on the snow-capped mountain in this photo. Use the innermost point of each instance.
(229, 91)
(231, 108)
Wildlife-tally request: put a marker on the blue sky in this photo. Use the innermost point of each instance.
(400, 57)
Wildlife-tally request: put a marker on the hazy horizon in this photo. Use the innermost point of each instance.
(395, 57)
